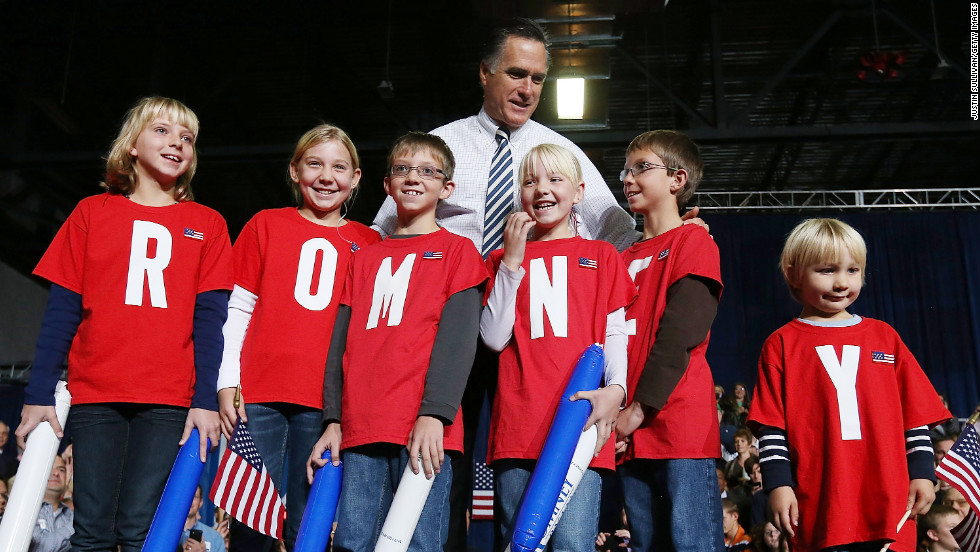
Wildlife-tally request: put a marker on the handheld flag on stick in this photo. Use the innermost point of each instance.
(961, 469)
(244, 489)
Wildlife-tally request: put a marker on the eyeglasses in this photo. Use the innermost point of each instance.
(427, 172)
(642, 167)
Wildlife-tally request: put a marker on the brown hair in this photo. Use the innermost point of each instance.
(677, 152)
(415, 141)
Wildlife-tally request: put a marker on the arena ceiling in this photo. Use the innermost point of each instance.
(772, 90)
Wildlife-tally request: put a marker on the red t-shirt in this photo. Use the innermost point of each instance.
(847, 439)
(139, 270)
(577, 284)
(687, 426)
(396, 290)
(297, 268)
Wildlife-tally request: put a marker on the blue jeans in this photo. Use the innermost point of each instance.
(371, 475)
(123, 457)
(673, 505)
(579, 524)
(284, 435)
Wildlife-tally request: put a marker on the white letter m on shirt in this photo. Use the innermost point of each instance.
(390, 291)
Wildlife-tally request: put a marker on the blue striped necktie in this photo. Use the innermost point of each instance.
(500, 191)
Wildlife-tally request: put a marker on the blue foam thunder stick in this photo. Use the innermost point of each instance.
(168, 521)
(545, 488)
(321, 507)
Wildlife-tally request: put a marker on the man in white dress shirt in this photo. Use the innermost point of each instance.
(512, 73)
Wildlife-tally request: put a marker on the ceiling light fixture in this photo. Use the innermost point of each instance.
(570, 86)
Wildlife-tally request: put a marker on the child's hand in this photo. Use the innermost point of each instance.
(208, 426)
(605, 409)
(329, 440)
(628, 420)
(784, 511)
(516, 229)
(426, 439)
(691, 217)
(31, 416)
(227, 412)
(921, 496)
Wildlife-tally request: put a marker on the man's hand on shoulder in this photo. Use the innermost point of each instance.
(691, 217)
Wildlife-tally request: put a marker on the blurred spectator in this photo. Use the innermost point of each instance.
(758, 511)
(735, 537)
(55, 520)
(766, 538)
(948, 428)
(620, 540)
(3, 496)
(222, 524)
(69, 459)
(722, 482)
(8, 453)
(735, 469)
(940, 446)
(956, 501)
(741, 396)
(212, 541)
(935, 527)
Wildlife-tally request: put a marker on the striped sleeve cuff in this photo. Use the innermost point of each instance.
(777, 471)
(919, 454)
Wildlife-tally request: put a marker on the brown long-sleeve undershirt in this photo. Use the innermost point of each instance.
(692, 303)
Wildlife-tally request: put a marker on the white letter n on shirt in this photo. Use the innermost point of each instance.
(549, 296)
(844, 375)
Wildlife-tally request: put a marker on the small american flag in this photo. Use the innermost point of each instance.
(588, 263)
(883, 358)
(961, 466)
(967, 533)
(244, 489)
(193, 234)
(663, 254)
(432, 255)
(354, 247)
(482, 491)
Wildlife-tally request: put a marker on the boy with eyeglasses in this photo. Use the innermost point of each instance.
(668, 433)
(406, 331)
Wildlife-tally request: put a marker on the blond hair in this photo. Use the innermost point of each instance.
(555, 159)
(416, 141)
(677, 151)
(819, 240)
(120, 171)
(315, 136)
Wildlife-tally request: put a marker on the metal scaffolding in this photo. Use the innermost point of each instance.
(803, 200)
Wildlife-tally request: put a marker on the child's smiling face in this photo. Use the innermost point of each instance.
(413, 192)
(828, 288)
(162, 152)
(326, 176)
(548, 197)
(647, 190)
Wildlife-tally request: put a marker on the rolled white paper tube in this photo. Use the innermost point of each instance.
(405, 511)
(33, 473)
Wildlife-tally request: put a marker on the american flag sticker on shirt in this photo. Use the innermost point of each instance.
(432, 255)
(354, 247)
(663, 254)
(883, 358)
(193, 234)
(588, 263)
